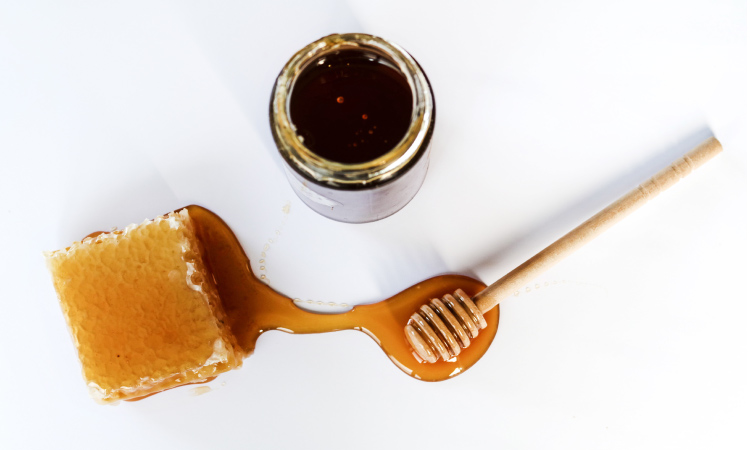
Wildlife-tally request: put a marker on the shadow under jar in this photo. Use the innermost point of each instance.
(352, 116)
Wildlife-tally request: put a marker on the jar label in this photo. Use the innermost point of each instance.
(309, 193)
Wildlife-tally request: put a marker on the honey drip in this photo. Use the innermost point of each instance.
(252, 307)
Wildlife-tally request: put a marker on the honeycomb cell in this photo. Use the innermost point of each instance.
(143, 311)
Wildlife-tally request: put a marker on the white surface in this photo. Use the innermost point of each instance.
(112, 114)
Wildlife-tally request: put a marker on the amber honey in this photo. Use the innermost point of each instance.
(174, 301)
(143, 314)
(252, 307)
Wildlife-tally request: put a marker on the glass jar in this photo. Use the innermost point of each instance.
(355, 192)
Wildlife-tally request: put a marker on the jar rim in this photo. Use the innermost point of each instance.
(333, 173)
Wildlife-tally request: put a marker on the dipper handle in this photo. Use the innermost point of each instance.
(596, 225)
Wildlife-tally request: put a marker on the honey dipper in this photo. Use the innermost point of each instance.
(441, 328)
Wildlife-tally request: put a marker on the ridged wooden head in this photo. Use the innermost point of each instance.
(441, 328)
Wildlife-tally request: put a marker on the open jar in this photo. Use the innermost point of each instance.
(352, 116)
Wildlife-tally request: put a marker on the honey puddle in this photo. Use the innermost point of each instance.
(252, 307)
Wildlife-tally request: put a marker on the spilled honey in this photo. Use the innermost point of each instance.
(252, 307)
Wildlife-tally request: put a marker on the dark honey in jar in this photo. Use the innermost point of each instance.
(352, 116)
(351, 107)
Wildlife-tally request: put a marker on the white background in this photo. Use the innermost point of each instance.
(110, 114)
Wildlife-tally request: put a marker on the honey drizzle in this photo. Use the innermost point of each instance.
(252, 307)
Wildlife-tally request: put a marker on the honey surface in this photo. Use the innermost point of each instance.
(350, 106)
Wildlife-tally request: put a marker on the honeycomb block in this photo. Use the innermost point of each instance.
(143, 311)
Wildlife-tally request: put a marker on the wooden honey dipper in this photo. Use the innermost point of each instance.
(441, 328)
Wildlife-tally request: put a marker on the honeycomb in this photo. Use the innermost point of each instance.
(143, 312)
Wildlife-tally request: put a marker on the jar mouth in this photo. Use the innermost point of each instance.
(333, 173)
